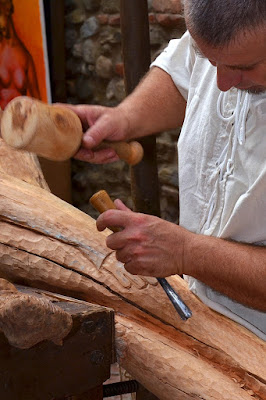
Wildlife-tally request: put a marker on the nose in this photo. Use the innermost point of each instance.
(227, 78)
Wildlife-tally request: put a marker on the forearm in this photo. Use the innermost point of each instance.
(234, 269)
(154, 106)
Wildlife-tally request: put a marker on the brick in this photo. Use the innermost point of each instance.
(114, 19)
(119, 69)
(167, 6)
(152, 18)
(169, 20)
(103, 19)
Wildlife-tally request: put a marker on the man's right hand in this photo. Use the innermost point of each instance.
(154, 106)
(100, 123)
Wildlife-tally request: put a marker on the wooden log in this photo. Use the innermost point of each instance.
(183, 372)
(48, 370)
(47, 243)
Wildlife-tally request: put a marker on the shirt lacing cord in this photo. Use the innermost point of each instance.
(225, 163)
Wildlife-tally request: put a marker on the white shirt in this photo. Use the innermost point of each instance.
(222, 165)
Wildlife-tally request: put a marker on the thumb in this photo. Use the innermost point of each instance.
(120, 205)
(107, 126)
(95, 135)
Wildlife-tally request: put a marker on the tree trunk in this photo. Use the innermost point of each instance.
(49, 244)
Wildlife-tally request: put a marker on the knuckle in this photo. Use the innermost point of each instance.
(137, 252)
(133, 270)
(108, 214)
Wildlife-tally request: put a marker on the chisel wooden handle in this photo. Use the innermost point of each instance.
(52, 131)
(102, 202)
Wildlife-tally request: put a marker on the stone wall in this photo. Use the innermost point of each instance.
(95, 76)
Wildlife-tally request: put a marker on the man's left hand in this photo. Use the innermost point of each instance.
(147, 245)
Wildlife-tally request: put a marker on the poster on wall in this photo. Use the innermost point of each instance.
(24, 67)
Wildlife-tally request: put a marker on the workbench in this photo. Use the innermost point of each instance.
(75, 370)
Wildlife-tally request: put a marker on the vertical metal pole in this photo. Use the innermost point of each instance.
(136, 55)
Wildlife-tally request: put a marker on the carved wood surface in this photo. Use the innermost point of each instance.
(46, 243)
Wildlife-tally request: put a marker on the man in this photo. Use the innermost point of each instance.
(17, 71)
(212, 82)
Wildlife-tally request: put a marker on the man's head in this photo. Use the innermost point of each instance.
(6, 10)
(231, 34)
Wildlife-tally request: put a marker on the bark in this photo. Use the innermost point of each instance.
(49, 244)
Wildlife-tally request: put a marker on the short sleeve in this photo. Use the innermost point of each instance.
(178, 59)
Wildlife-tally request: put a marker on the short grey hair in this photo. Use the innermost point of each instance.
(217, 22)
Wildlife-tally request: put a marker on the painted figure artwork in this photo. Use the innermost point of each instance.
(23, 55)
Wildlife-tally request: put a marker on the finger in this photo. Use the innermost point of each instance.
(100, 157)
(132, 268)
(113, 218)
(97, 133)
(116, 241)
(106, 127)
(87, 114)
(123, 256)
(120, 205)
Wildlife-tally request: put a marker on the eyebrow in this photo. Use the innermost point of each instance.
(233, 67)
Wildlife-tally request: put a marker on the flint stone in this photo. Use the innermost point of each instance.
(171, 6)
(77, 50)
(116, 90)
(70, 5)
(89, 28)
(157, 36)
(77, 16)
(92, 5)
(104, 67)
(110, 35)
(70, 38)
(89, 51)
(111, 6)
(84, 89)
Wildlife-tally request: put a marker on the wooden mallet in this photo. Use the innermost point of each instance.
(53, 132)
